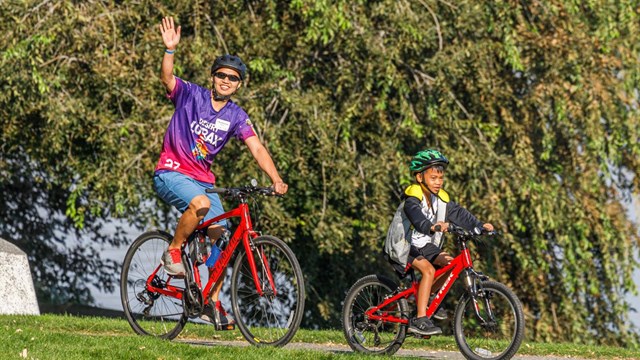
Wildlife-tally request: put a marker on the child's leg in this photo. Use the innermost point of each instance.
(441, 260)
(427, 270)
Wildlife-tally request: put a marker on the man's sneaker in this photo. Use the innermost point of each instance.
(172, 261)
(440, 314)
(423, 326)
(218, 316)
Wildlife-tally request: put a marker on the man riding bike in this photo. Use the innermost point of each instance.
(203, 122)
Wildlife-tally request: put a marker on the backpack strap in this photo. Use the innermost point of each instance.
(441, 214)
(443, 195)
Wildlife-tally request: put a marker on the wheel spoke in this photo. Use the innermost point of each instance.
(273, 317)
(491, 327)
(149, 313)
(364, 334)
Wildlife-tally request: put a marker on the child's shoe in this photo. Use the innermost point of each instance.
(423, 326)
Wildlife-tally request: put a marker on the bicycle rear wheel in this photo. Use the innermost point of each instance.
(373, 336)
(496, 330)
(148, 312)
(271, 318)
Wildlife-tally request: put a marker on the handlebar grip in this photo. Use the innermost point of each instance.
(270, 191)
(216, 190)
(437, 228)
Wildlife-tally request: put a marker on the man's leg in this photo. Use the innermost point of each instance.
(197, 209)
(189, 197)
(195, 212)
(214, 232)
(213, 311)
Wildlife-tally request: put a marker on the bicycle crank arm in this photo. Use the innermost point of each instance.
(192, 299)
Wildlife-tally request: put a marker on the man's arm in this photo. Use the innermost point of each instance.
(171, 38)
(265, 162)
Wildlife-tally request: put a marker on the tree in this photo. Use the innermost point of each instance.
(536, 106)
(64, 260)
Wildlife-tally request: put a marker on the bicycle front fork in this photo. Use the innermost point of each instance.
(473, 284)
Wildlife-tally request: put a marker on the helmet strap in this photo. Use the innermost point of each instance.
(423, 185)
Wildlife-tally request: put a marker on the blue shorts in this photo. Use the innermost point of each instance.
(178, 190)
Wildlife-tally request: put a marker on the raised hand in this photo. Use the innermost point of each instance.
(170, 34)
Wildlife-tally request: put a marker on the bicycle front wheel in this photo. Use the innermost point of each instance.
(373, 336)
(149, 312)
(491, 325)
(273, 316)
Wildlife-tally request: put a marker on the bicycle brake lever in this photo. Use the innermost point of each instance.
(483, 231)
(271, 192)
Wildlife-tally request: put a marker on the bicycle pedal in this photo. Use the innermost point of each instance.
(226, 327)
(425, 337)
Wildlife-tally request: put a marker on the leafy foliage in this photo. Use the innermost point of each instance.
(536, 106)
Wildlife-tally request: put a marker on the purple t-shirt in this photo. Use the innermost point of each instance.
(197, 132)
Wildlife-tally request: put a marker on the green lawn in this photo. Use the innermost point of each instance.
(70, 337)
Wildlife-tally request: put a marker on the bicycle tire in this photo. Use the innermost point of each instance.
(150, 313)
(268, 319)
(495, 340)
(367, 336)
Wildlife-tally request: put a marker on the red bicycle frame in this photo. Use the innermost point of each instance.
(456, 267)
(244, 232)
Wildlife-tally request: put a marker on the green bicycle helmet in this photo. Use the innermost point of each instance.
(425, 159)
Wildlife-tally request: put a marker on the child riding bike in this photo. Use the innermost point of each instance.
(428, 209)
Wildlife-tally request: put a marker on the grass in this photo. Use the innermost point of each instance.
(70, 337)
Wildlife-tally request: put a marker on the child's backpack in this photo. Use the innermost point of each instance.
(398, 241)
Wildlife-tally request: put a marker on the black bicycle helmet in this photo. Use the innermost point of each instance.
(425, 159)
(231, 62)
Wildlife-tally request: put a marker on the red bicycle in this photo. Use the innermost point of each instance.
(267, 287)
(488, 321)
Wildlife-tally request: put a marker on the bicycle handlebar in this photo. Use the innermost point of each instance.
(475, 232)
(244, 191)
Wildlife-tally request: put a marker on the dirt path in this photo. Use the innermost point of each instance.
(338, 348)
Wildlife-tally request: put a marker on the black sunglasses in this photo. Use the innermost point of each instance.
(222, 76)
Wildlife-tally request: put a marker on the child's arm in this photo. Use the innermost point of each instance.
(413, 210)
(462, 217)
